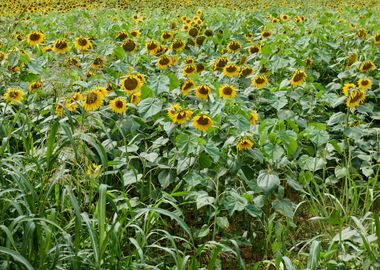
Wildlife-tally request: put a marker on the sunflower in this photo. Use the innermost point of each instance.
(135, 98)
(275, 20)
(193, 32)
(177, 45)
(173, 110)
(58, 110)
(264, 70)
(93, 100)
(260, 81)
(265, 34)
(129, 46)
(122, 35)
(351, 59)
(72, 61)
(200, 67)
(186, 86)
(118, 105)
(152, 46)
(347, 88)
(298, 78)
(189, 70)
(3, 56)
(362, 33)
(135, 33)
(200, 40)
(208, 33)
(181, 117)
(35, 38)
(231, 70)
(246, 71)
(71, 104)
(234, 46)
(284, 18)
(166, 36)
(98, 62)
(137, 18)
(220, 63)
(202, 122)
(14, 96)
(253, 117)
(254, 49)
(202, 91)
(244, 144)
(376, 38)
(34, 86)
(227, 91)
(365, 84)
(164, 62)
(93, 170)
(189, 60)
(82, 44)
(367, 66)
(131, 83)
(355, 99)
(61, 46)
(141, 77)
(309, 62)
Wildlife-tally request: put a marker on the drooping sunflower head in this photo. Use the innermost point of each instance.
(152, 46)
(209, 33)
(71, 104)
(244, 144)
(173, 110)
(362, 33)
(253, 117)
(231, 70)
(98, 62)
(348, 88)
(234, 46)
(34, 86)
(181, 117)
(200, 67)
(202, 122)
(200, 40)
(135, 98)
(193, 32)
(118, 105)
(365, 84)
(131, 83)
(309, 62)
(59, 110)
(260, 81)
(189, 70)
(72, 62)
(189, 60)
(166, 36)
(135, 33)
(202, 91)
(186, 86)
(93, 100)
(376, 38)
(298, 78)
(61, 46)
(351, 59)
(254, 49)
(220, 63)
(177, 45)
(35, 38)
(82, 44)
(367, 66)
(265, 34)
(227, 91)
(93, 170)
(14, 96)
(129, 46)
(246, 71)
(122, 35)
(164, 62)
(355, 99)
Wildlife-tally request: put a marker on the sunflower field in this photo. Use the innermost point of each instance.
(189, 135)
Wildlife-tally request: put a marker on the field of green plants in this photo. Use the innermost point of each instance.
(178, 136)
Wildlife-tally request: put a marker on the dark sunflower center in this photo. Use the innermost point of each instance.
(246, 72)
(61, 44)
(231, 69)
(181, 115)
(36, 85)
(364, 83)
(221, 63)
(203, 90)
(122, 35)
(152, 46)
(166, 35)
(164, 61)
(203, 121)
(260, 80)
(82, 41)
(193, 32)
(13, 94)
(187, 85)
(119, 104)
(129, 45)
(266, 34)
(35, 36)
(254, 49)
(91, 98)
(244, 143)
(130, 83)
(358, 96)
(377, 38)
(299, 77)
(234, 46)
(189, 69)
(177, 44)
(367, 66)
(98, 61)
(351, 60)
(200, 67)
(227, 90)
(135, 34)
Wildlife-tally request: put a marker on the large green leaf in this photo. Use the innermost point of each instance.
(268, 181)
(149, 107)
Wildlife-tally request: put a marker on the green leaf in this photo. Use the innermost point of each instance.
(268, 181)
(234, 202)
(50, 143)
(312, 261)
(284, 206)
(17, 257)
(203, 199)
(160, 84)
(222, 222)
(184, 164)
(211, 149)
(187, 143)
(309, 163)
(274, 152)
(149, 107)
(166, 177)
(151, 157)
(205, 161)
(119, 52)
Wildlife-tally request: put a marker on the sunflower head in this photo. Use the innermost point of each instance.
(14, 96)
(298, 78)
(186, 86)
(35, 38)
(93, 100)
(365, 84)
(135, 98)
(347, 88)
(82, 44)
(177, 45)
(284, 18)
(131, 83)
(166, 36)
(152, 46)
(244, 144)
(61, 46)
(220, 63)
(122, 35)
(234, 46)
(189, 70)
(34, 86)
(265, 34)
(164, 62)
(118, 105)
(59, 110)
(202, 91)
(173, 110)
(135, 33)
(253, 117)
(93, 170)
(376, 38)
(202, 122)
(181, 117)
(362, 33)
(351, 59)
(355, 99)
(231, 70)
(367, 66)
(260, 81)
(254, 49)
(227, 91)
(129, 46)
(246, 71)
